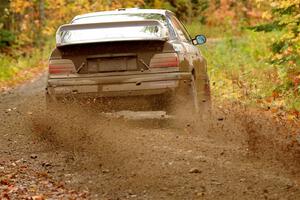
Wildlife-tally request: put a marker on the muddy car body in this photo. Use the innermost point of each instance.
(128, 52)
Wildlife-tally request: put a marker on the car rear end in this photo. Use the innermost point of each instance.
(114, 59)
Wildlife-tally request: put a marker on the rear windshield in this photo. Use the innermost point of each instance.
(122, 33)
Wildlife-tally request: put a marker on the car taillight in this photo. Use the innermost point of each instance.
(61, 66)
(164, 60)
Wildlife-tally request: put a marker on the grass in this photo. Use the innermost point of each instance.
(196, 28)
(11, 66)
(239, 70)
(7, 70)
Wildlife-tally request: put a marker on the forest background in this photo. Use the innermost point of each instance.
(253, 50)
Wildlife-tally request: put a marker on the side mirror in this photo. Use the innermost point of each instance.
(199, 39)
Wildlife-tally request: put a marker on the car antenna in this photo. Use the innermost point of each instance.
(80, 67)
(147, 66)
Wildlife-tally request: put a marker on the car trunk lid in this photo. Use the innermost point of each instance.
(116, 57)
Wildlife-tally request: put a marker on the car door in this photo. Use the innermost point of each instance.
(196, 61)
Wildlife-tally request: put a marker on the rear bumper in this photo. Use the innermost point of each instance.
(117, 85)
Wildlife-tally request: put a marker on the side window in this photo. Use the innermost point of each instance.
(182, 33)
(171, 28)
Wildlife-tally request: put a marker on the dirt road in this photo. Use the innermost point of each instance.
(237, 154)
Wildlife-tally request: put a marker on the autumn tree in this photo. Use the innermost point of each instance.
(32, 21)
(284, 16)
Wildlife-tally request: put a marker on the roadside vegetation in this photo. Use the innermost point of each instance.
(20, 66)
(256, 62)
(240, 72)
(253, 49)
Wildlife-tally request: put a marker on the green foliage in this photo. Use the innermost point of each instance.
(267, 27)
(285, 16)
(196, 28)
(9, 66)
(6, 38)
(6, 72)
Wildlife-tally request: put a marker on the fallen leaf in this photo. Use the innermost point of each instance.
(4, 182)
(38, 197)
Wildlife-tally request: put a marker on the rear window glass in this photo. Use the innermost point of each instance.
(110, 34)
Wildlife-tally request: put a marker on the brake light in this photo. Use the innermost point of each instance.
(58, 70)
(164, 60)
(61, 66)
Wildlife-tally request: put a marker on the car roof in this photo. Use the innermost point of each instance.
(123, 11)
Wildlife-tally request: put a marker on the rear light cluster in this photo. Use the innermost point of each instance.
(61, 66)
(164, 60)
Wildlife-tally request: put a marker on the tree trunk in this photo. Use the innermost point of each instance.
(42, 12)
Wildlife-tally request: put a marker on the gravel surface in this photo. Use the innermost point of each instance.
(79, 153)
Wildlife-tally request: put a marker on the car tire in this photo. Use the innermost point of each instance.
(202, 97)
(190, 101)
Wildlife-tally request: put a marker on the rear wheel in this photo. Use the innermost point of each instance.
(190, 102)
(202, 98)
